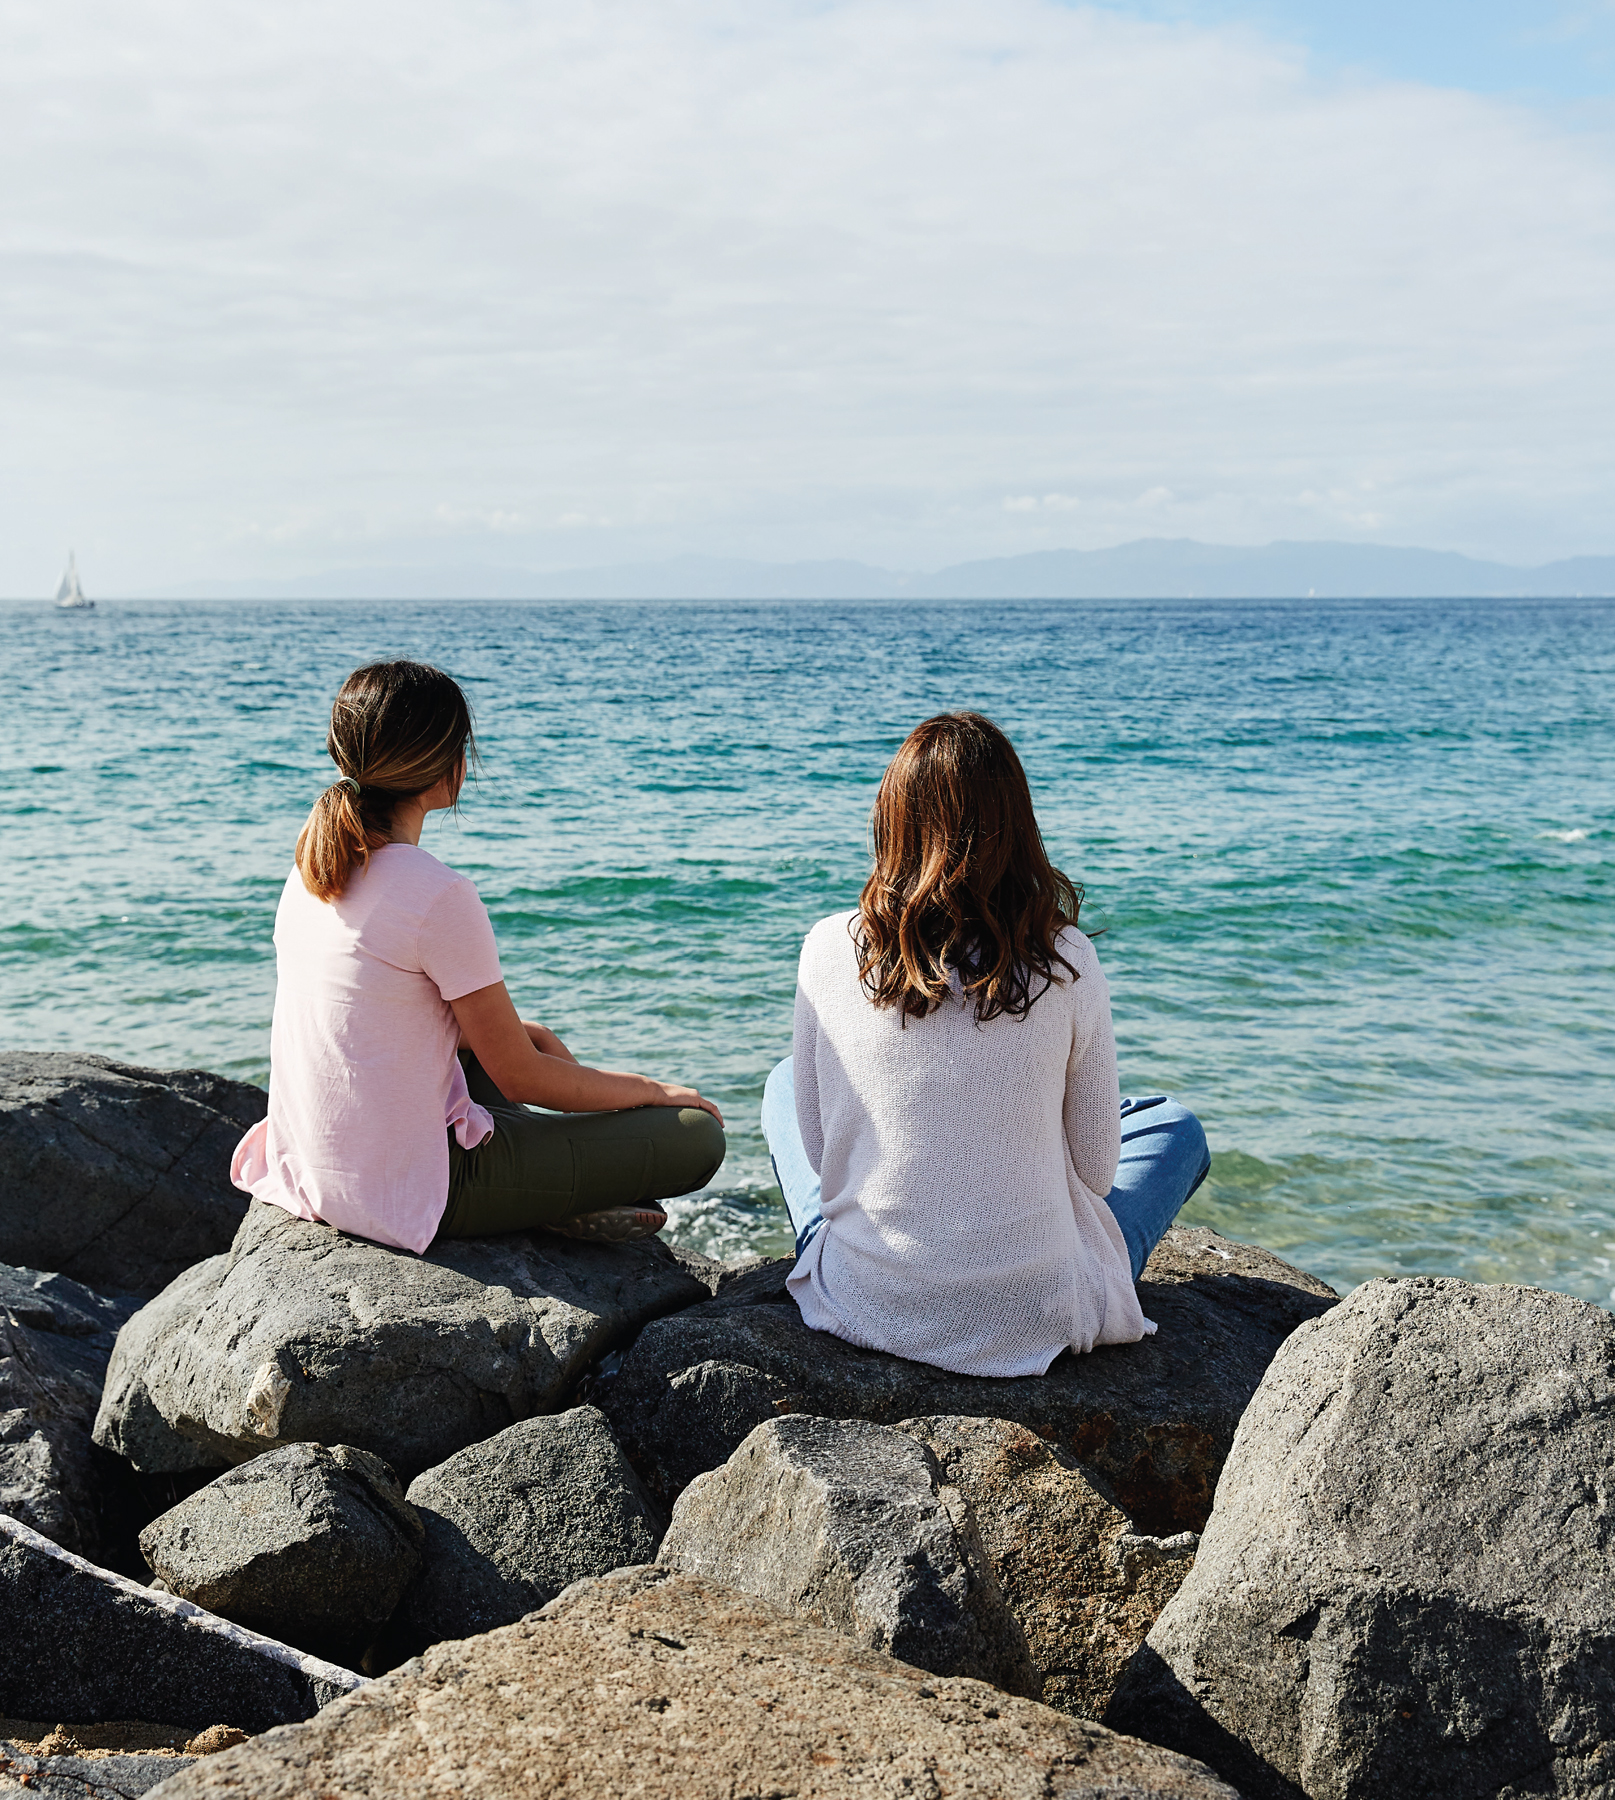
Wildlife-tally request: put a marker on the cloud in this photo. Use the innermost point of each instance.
(288, 285)
(1064, 503)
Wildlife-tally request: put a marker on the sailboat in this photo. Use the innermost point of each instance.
(69, 595)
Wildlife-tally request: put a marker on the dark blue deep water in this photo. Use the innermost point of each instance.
(1355, 865)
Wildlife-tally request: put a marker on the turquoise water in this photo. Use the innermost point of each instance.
(1353, 863)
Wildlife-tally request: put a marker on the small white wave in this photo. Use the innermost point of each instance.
(1574, 836)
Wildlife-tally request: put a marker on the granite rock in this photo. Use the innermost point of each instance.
(83, 1643)
(311, 1545)
(85, 1322)
(48, 1476)
(55, 1338)
(707, 1270)
(513, 1520)
(845, 1523)
(128, 1420)
(115, 1175)
(650, 1684)
(1407, 1586)
(1155, 1418)
(307, 1335)
(1083, 1587)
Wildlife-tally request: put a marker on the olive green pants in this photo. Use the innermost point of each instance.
(546, 1168)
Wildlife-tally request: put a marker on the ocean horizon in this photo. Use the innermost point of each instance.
(1351, 863)
(1143, 569)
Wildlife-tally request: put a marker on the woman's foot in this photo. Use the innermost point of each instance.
(616, 1225)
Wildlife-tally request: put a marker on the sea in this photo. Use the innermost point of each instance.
(1352, 865)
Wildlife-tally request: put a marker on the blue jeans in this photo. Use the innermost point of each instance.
(1164, 1159)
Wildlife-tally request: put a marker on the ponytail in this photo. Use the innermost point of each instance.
(335, 841)
(397, 729)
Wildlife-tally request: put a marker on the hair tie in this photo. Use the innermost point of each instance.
(347, 781)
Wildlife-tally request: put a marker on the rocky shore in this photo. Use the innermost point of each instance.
(529, 1516)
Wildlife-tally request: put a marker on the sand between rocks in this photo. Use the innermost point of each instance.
(116, 1737)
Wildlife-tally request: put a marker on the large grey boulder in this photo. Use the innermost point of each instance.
(55, 1338)
(306, 1335)
(845, 1523)
(1081, 1584)
(116, 1175)
(1408, 1584)
(650, 1683)
(311, 1545)
(1156, 1418)
(513, 1520)
(81, 1643)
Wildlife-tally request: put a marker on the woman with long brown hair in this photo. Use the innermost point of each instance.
(400, 1071)
(967, 1186)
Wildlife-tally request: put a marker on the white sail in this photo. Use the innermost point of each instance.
(68, 592)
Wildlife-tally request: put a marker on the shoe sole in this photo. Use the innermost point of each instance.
(616, 1225)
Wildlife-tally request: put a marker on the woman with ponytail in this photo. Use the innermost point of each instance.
(967, 1186)
(400, 1071)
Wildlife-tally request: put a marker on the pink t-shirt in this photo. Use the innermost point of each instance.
(363, 1076)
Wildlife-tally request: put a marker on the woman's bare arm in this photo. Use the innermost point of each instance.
(507, 1050)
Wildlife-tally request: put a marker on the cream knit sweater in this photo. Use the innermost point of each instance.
(962, 1167)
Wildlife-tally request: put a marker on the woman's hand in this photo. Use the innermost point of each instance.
(687, 1096)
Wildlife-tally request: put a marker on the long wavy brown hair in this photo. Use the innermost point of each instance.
(961, 883)
(397, 728)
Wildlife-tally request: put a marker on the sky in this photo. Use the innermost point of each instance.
(1544, 50)
(351, 284)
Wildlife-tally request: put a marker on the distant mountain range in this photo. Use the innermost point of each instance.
(1150, 569)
